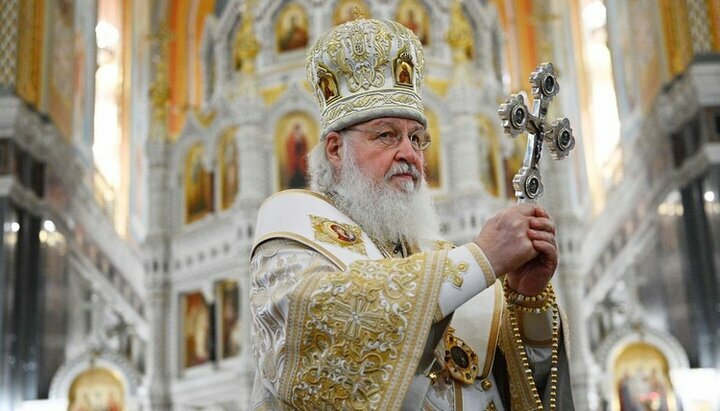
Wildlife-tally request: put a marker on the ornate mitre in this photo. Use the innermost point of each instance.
(365, 69)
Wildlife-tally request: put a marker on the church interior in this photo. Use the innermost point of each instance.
(139, 138)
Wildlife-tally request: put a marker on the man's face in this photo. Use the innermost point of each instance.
(375, 159)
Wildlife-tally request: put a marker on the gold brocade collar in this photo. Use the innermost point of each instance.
(392, 249)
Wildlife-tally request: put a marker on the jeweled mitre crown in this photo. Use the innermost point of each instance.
(365, 69)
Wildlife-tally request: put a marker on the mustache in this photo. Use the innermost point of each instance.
(403, 168)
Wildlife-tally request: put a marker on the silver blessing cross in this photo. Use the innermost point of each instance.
(516, 120)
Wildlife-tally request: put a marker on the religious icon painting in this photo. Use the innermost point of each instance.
(296, 133)
(338, 234)
(349, 10)
(327, 85)
(490, 157)
(291, 28)
(433, 154)
(414, 15)
(196, 329)
(97, 388)
(513, 161)
(198, 185)
(229, 171)
(403, 73)
(228, 318)
(642, 379)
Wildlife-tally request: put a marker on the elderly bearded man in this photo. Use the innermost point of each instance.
(356, 302)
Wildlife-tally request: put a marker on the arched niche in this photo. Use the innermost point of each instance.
(228, 168)
(274, 19)
(197, 185)
(346, 10)
(295, 101)
(637, 364)
(196, 339)
(415, 15)
(492, 170)
(296, 134)
(433, 156)
(105, 375)
(291, 28)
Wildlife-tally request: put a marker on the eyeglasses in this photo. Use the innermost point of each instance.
(419, 140)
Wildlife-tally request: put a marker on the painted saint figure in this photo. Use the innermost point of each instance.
(295, 35)
(404, 77)
(296, 148)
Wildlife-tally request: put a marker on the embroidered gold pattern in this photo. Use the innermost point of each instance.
(361, 56)
(361, 334)
(379, 98)
(442, 245)
(454, 272)
(338, 234)
(351, 46)
(483, 262)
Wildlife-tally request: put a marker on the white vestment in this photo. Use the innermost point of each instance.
(341, 323)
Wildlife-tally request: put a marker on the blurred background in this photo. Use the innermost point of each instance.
(138, 139)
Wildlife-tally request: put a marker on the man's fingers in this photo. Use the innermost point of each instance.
(544, 224)
(541, 212)
(546, 248)
(527, 209)
(541, 235)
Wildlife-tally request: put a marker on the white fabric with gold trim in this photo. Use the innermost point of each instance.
(477, 323)
(309, 218)
(477, 320)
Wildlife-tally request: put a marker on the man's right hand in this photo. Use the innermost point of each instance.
(504, 238)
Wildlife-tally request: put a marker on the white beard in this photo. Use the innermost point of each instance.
(385, 213)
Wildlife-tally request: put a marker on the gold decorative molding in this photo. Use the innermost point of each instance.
(460, 35)
(160, 87)
(438, 86)
(271, 94)
(30, 29)
(678, 41)
(246, 46)
(713, 7)
(205, 118)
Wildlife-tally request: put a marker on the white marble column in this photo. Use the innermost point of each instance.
(255, 168)
(156, 251)
(463, 139)
(157, 377)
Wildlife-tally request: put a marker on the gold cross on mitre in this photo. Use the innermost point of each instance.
(357, 12)
(516, 119)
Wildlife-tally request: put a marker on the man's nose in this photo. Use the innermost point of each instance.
(405, 151)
